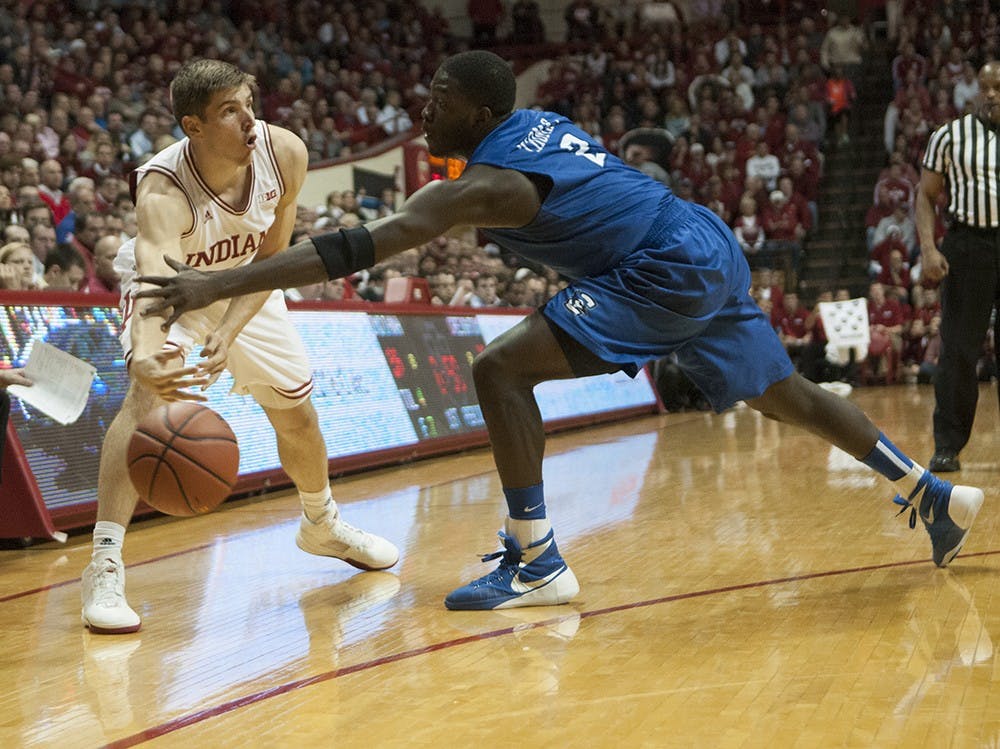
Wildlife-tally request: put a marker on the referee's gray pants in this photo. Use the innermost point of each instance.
(969, 293)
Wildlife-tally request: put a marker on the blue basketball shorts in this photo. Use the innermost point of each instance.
(688, 294)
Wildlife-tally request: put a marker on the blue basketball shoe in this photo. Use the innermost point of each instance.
(546, 580)
(948, 512)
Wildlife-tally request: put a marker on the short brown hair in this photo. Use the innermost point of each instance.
(197, 81)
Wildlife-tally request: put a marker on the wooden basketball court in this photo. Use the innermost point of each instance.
(743, 585)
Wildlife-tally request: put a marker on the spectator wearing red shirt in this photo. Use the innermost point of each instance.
(732, 188)
(804, 178)
(894, 186)
(901, 219)
(802, 209)
(905, 169)
(915, 343)
(912, 89)
(884, 205)
(794, 327)
(748, 228)
(943, 109)
(896, 274)
(886, 320)
(780, 218)
(772, 121)
(696, 168)
(278, 103)
(878, 259)
(766, 286)
(794, 143)
(908, 59)
(926, 303)
(746, 143)
(50, 189)
(104, 279)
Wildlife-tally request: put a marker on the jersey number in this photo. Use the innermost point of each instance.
(581, 148)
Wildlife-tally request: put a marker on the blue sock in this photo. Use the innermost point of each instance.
(527, 503)
(892, 463)
(888, 459)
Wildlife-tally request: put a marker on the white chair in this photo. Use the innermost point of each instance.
(846, 327)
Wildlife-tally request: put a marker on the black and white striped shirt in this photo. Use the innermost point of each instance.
(967, 152)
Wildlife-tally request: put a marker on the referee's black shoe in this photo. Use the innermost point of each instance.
(944, 461)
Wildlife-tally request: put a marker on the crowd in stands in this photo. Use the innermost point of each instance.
(733, 111)
(936, 51)
(733, 116)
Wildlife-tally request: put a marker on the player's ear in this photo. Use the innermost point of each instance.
(191, 125)
(483, 115)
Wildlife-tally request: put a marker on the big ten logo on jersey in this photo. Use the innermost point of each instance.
(267, 196)
(579, 302)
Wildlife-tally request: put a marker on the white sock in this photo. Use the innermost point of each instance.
(314, 504)
(908, 483)
(108, 540)
(527, 532)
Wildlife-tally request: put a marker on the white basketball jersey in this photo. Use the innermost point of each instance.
(222, 235)
(267, 359)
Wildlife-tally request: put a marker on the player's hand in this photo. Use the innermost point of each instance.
(215, 353)
(160, 374)
(933, 263)
(13, 377)
(190, 289)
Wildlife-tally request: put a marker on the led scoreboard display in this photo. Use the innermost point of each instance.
(385, 383)
(430, 358)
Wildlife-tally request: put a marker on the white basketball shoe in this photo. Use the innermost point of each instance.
(105, 610)
(331, 536)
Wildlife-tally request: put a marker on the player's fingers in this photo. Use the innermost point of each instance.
(211, 380)
(177, 265)
(156, 309)
(214, 363)
(183, 388)
(157, 281)
(211, 347)
(190, 380)
(184, 395)
(167, 355)
(171, 319)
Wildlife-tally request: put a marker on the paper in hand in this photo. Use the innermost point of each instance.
(61, 382)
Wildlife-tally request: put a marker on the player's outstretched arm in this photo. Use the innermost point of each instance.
(192, 289)
(484, 196)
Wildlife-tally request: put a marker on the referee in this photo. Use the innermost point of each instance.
(966, 153)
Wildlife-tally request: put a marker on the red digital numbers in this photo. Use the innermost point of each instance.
(395, 363)
(446, 375)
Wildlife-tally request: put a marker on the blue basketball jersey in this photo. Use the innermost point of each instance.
(599, 209)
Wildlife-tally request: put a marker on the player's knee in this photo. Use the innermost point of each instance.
(782, 401)
(494, 369)
(300, 419)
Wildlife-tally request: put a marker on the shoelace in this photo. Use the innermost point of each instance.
(510, 557)
(907, 503)
(350, 535)
(107, 591)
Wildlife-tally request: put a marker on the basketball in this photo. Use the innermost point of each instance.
(183, 459)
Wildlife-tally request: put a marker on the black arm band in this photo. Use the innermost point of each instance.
(346, 251)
